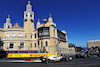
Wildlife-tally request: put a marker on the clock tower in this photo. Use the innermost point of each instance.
(28, 19)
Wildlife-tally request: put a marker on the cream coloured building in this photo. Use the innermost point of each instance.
(93, 43)
(45, 35)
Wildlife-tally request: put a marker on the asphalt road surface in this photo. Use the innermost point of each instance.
(76, 62)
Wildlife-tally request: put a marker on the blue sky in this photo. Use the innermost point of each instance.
(79, 18)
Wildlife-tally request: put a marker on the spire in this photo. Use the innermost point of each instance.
(8, 16)
(49, 15)
(38, 20)
(7, 24)
(28, 2)
(50, 18)
(29, 14)
(28, 7)
(8, 19)
(38, 23)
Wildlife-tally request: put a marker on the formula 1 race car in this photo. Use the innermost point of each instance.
(55, 58)
(47, 60)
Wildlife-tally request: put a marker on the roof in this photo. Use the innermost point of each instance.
(16, 25)
(93, 40)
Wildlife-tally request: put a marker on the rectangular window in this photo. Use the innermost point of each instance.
(31, 36)
(35, 45)
(46, 43)
(11, 45)
(31, 45)
(61, 35)
(21, 45)
(43, 31)
(25, 35)
(35, 35)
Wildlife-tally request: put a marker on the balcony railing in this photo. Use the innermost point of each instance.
(13, 37)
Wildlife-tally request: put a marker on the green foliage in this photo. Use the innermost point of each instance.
(78, 49)
(72, 45)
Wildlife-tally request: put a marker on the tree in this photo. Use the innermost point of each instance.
(72, 45)
(78, 49)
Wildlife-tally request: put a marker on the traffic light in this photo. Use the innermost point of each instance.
(59, 41)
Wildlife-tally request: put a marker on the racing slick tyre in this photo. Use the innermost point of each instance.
(47, 61)
(60, 60)
(89, 56)
(85, 56)
(66, 58)
(70, 58)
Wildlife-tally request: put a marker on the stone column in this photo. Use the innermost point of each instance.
(14, 46)
(56, 32)
(24, 45)
(52, 32)
(8, 45)
(3, 45)
(18, 47)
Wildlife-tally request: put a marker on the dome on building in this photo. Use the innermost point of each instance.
(64, 31)
(16, 25)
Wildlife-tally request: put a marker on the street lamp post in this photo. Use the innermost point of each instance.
(8, 49)
(45, 21)
(18, 48)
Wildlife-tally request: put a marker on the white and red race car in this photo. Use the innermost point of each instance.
(56, 58)
(46, 59)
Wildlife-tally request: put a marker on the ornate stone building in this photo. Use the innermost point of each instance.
(93, 43)
(45, 35)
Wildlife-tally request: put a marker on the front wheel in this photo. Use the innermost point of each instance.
(66, 58)
(47, 61)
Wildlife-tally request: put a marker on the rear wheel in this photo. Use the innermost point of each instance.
(85, 56)
(70, 58)
(60, 60)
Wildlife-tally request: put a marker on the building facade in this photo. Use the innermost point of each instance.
(45, 36)
(93, 43)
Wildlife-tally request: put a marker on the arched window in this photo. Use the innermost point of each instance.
(35, 45)
(20, 35)
(31, 20)
(26, 15)
(25, 20)
(31, 36)
(7, 35)
(25, 35)
(31, 45)
(35, 35)
(46, 43)
(54, 32)
(13, 35)
(31, 15)
(8, 26)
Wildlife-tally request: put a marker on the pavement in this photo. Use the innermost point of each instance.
(76, 62)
